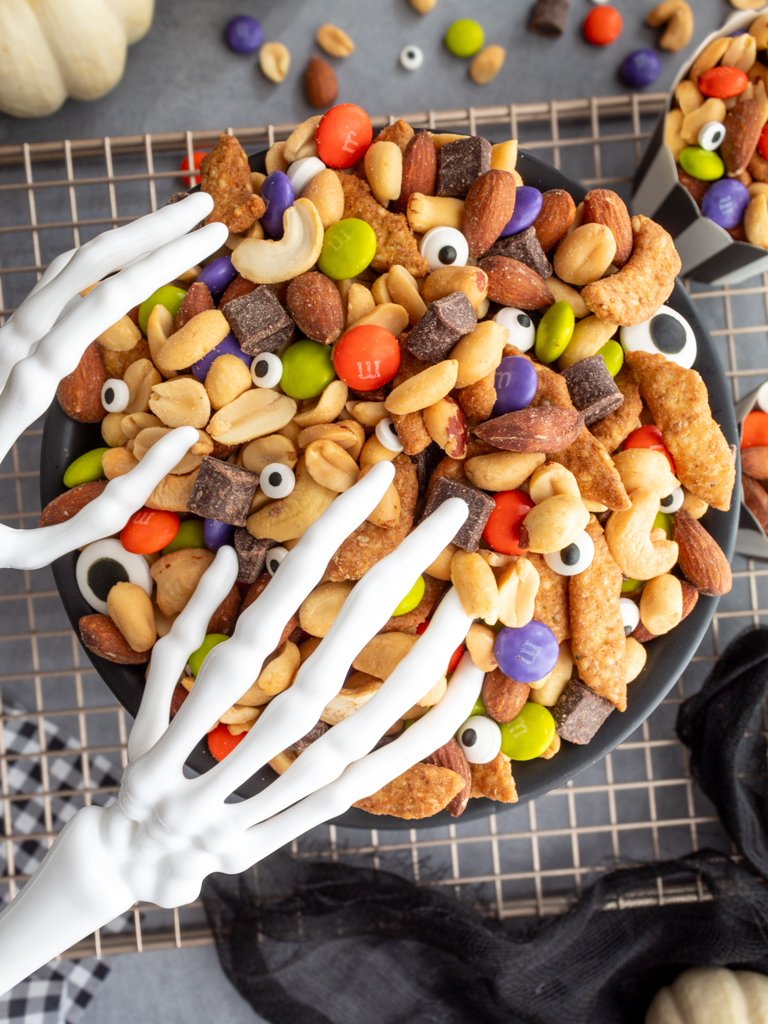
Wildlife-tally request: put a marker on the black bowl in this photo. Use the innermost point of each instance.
(64, 440)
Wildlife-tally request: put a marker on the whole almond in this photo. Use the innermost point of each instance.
(450, 755)
(70, 502)
(488, 206)
(314, 302)
(102, 637)
(503, 698)
(754, 462)
(224, 618)
(547, 428)
(555, 218)
(79, 393)
(419, 169)
(603, 206)
(701, 560)
(743, 125)
(755, 498)
(512, 283)
(320, 81)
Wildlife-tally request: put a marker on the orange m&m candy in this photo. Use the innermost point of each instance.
(723, 82)
(367, 357)
(148, 531)
(221, 741)
(343, 135)
(193, 179)
(602, 26)
(502, 531)
(754, 430)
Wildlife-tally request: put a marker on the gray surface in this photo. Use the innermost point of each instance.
(182, 76)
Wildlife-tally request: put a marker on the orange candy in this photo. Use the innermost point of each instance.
(188, 179)
(723, 82)
(502, 531)
(148, 531)
(367, 357)
(343, 135)
(221, 741)
(762, 143)
(754, 430)
(649, 437)
(602, 26)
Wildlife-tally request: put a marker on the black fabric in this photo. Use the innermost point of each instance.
(328, 943)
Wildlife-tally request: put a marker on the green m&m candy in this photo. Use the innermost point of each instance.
(86, 468)
(169, 296)
(529, 734)
(554, 332)
(464, 38)
(307, 369)
(412, 598)
(348, 248)
(190, 535)
(704, 164)
(613, 354)
(197, 657)
(629, 586)
(664, 521)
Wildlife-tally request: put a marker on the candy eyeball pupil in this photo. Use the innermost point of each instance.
(667, 333)
(571, 554)
(469, 737)
(261, 368)
(666, 502)
(103, 574)
(410, 54)
(447, 254)
(275, 479)
(523, 320)
(109, 396)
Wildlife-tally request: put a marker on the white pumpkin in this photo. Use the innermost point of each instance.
(52, 49)
(712, 995)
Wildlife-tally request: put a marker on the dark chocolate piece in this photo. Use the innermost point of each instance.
(480, 507)
(580, 712)
(592, 389)
(259, 321)
(309, 738)
(223, 491)
(251, 555)
(425, 461)
(446, 320)
(548, 17)
(525, 248)
(460, 163)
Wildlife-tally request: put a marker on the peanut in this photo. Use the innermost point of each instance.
(379, 289)
(661, 604)
(172, 494)
(140, 377)
(387, 512)
(330, 466)
(589, 336)
(471, 280)
(264, 450)
(643, 467)
(695, 507)
(277, 674)
(425, 212)
(388, 315)
(274, 61)
(121, 336)
(673, 124)
(502, 471)
(479, 352)
(688, 96)
(132, 424)
(585, 254)
(360, 303)
(325, 193)
(374, 451)
(368, 413)
(382, 654)
(709, 57)
(334, 41)
(440, 569)
(182, 402)
(759, 29)
(564, 293)
(555, 523)
(756, 221)
(130, 608)
(504, 156)
(487, 64)
(741, 52)
(112, 429)
(177, 575)
(635, 656)
(326, 408)
(480, 641)
(447, 425)
(159, 327)
(712, 110)
(197, 338)
(403, 290)
(384, 170)
(255, 413)
(148, 437)
(117, 462)
(319, 609)
(553, 748)
(518, 585)
(547, 691)
(476, 586)
(227, 379)
(549, 479)
(240, 716)
(424, 388)
(350, 698)
(422, 6)
(338, 432)
(275, 158)
(301, 142)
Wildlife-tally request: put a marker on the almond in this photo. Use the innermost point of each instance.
(755, 498)
(236, 289)
(70, 502)
(690, 597)
(511, 283)
(197, 300)
(488, 206)
(102, 638)
(743, 125)
(315, 304)
(603, 206)
(419, 169)
(450, 755)
(224, 618)
(556, 216)
(503, 698)
(754, 462)
(79, 393)
(700, 558)
(547, 428)
(696, 188)
(320, 82)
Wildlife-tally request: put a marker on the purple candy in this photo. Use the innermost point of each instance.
(725, 201)
(528, 653)
(243, 34)
(527, 208)
(216, 534)
(217, 275)
(515, 382)
(641, 68)
(228, 346)
(277, 192)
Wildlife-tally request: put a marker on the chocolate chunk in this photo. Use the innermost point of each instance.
(548, 17)
(177, 198)
(309, 738)
(446, 320)
(251, 555)
(592, 389)
(480, 507)
(223, 491)
(525, 248)
(546, 428)
(259, 321)
(460, 163)
(425, 461)
(580, 712)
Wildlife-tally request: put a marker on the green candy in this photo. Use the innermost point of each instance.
(169, 296)
(197, 657)
(703, 164)
(412, 598)
(464, 38)
(613, 354)
(479, 708)
(307, 369)
(85, 469)
(629, 586)
(190, 535)
(528, 735)
(554, 332)
(663, 521)
(348, 248)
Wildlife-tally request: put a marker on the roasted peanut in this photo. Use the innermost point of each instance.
(340, 433)
(319, 609)
(368, 413)
(661, 604)
(688, 96)
(585, 254)
(636, 550)
(350, 698)
(589, 336)
(709, 57)
(121, 336)
(274, 61)
(549, 479)
(518, 585)
(644, 467)
(480, 641)
(264, 450)
(374, 451)
(696, 507)
(382, 654)
(325, 193)
(135, 422)
(425, 212)
(424, 388)
(547, 691)
(693, 122)
(239, 715)
(741, 52)
(759, 29)
(173, 492)
(756, 221)
(277, 674)
(447, 425)
(403, 290)
(177, 575)
(332, 467)
(140, 377)
(672, 137)
(148, 437)
(112, 429)
(479, 352)
(389, 315)
(130, 608)
(476, 586)
(334, 41)
(117, 462)
(502, 471)
(440, 569)
(275, 158)
(564, 293)
(195, 339)
(360, 303)
(555, 523)
(471, 280)
(301, 142)
(387, 512)
(384, 170)
(379, 289)
(504, 155)
(227, 379)
(182, 402)
(326, 408)
(255, 413)
(635, 656)
(159, 327)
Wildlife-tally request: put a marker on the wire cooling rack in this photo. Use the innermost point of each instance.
(637, 805)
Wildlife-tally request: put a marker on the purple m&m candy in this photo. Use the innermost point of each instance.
(277, 192)
(528, 202)
(515, 383)
(641, 68)
(526, 654)
(217, 275)
(228, 346)
(243, 34)
(216, 534)
(725, 201)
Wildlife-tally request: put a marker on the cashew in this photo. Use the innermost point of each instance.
(555, 523)
(518, 585)
(479, 352)
(130, 608)
(688, 95)
(182, 402)
(549, 479)
(635, 656)
(673, 123)
(288, 518)
(638, 554)
(476, 586)
(255, 413)
(440, 569)
(547, 691)
(327, 407)
(275, 159)
(644, 467)
(502, 471)
(277, 674)
(713, 110)
(382, 654)
(480, 641)
(661, 604)
(267, 261)
(319, 609)
(678, 17)
(176, 576)
(350, 698)
(260, 452)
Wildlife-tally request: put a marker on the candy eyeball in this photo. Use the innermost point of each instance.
(277, 480)
(673, 501)
(115, 395)
(666, 333)
(411, 58)
(574, 558)
(301, 172)
(630, 615)
(103, 564)
(266, 370)
(522, 333)
(480, 739)
(712, 135)
(387, 435)
(444, 247)
(274, 558)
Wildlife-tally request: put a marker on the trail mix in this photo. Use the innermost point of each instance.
(410, 299)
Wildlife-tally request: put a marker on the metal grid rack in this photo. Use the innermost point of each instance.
(639, 804)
